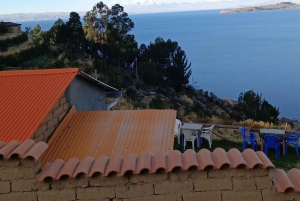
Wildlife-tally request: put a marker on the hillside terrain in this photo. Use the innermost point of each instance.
(282, 5)
(154, 76)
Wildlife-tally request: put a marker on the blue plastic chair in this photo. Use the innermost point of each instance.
(271, 141)
(248, 137)
(292, 139)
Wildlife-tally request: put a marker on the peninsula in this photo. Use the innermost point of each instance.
(282, 5)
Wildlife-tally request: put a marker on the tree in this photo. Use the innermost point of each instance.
(169, 63)
(3, 28)
(107, 29)
(69, 34)
(255, 107)
(74, 35)
(37, 30)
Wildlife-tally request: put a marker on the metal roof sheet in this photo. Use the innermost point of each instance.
(109, 133)
(26, 97)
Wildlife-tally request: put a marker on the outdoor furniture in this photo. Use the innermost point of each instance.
(193, 127)
(189, 136)
(177, 130)
(292, 139)
(271, 141)
(248, 137)
(276, 132)
(206, 133)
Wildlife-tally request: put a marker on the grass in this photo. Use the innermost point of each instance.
(286, 162)
(9, 35)
(23, 46)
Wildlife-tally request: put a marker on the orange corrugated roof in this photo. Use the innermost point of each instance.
(108, 133)
(26, 97)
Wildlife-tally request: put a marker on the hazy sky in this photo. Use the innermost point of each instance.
(40, 6)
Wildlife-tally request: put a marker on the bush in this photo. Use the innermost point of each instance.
(3, 29)
(131, 93)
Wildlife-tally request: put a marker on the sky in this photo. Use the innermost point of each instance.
(41, 6)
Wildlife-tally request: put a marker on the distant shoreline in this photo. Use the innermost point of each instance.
(279, 6)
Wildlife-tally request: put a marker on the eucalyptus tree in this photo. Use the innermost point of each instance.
(108, 30)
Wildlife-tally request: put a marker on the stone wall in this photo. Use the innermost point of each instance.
(18, 182)
(53, 119)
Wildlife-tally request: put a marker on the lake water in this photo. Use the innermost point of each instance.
(232, 53)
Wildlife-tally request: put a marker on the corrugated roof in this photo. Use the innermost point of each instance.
(217, 159)
(27, 97)
(97, 133)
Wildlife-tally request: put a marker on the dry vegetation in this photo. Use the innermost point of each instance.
(9, 35)
(24, 46)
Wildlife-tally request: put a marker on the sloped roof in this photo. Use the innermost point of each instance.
(10, 24)
(152, 163)
(97, 133)
(26, 99)
(27, 96)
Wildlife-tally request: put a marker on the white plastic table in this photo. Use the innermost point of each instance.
(195, 127)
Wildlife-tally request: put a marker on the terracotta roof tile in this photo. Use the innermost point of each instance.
(114, 165)
(122, 132)
(175, 160)
(144, 162)
(68, 168)
(159, 161)
(129, 164)
(99, 166)
(51, 170)
(84, 166)
(133, 163)
(236, 158)
(251, 158)
(220, 158)
(189, 158)
(284, 181)
(27, 97)
(27, 149)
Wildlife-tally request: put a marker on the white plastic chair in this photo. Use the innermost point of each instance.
(206, 133)
(177, 129)
(190, 136)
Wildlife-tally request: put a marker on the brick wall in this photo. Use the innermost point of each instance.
(51, 122)
(18, 182)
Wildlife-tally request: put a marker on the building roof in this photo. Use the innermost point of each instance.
(26, 99)
(97, 133)
(27, 149)
(10, 24)
(104, 165)
(27, 96)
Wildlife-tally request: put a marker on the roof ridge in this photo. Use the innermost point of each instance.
(40, 71)
(137, 164)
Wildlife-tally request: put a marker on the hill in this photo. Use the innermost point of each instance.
(279, 6)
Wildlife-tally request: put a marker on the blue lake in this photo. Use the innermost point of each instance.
(232, 53)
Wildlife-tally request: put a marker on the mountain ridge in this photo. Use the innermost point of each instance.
(278, 6)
